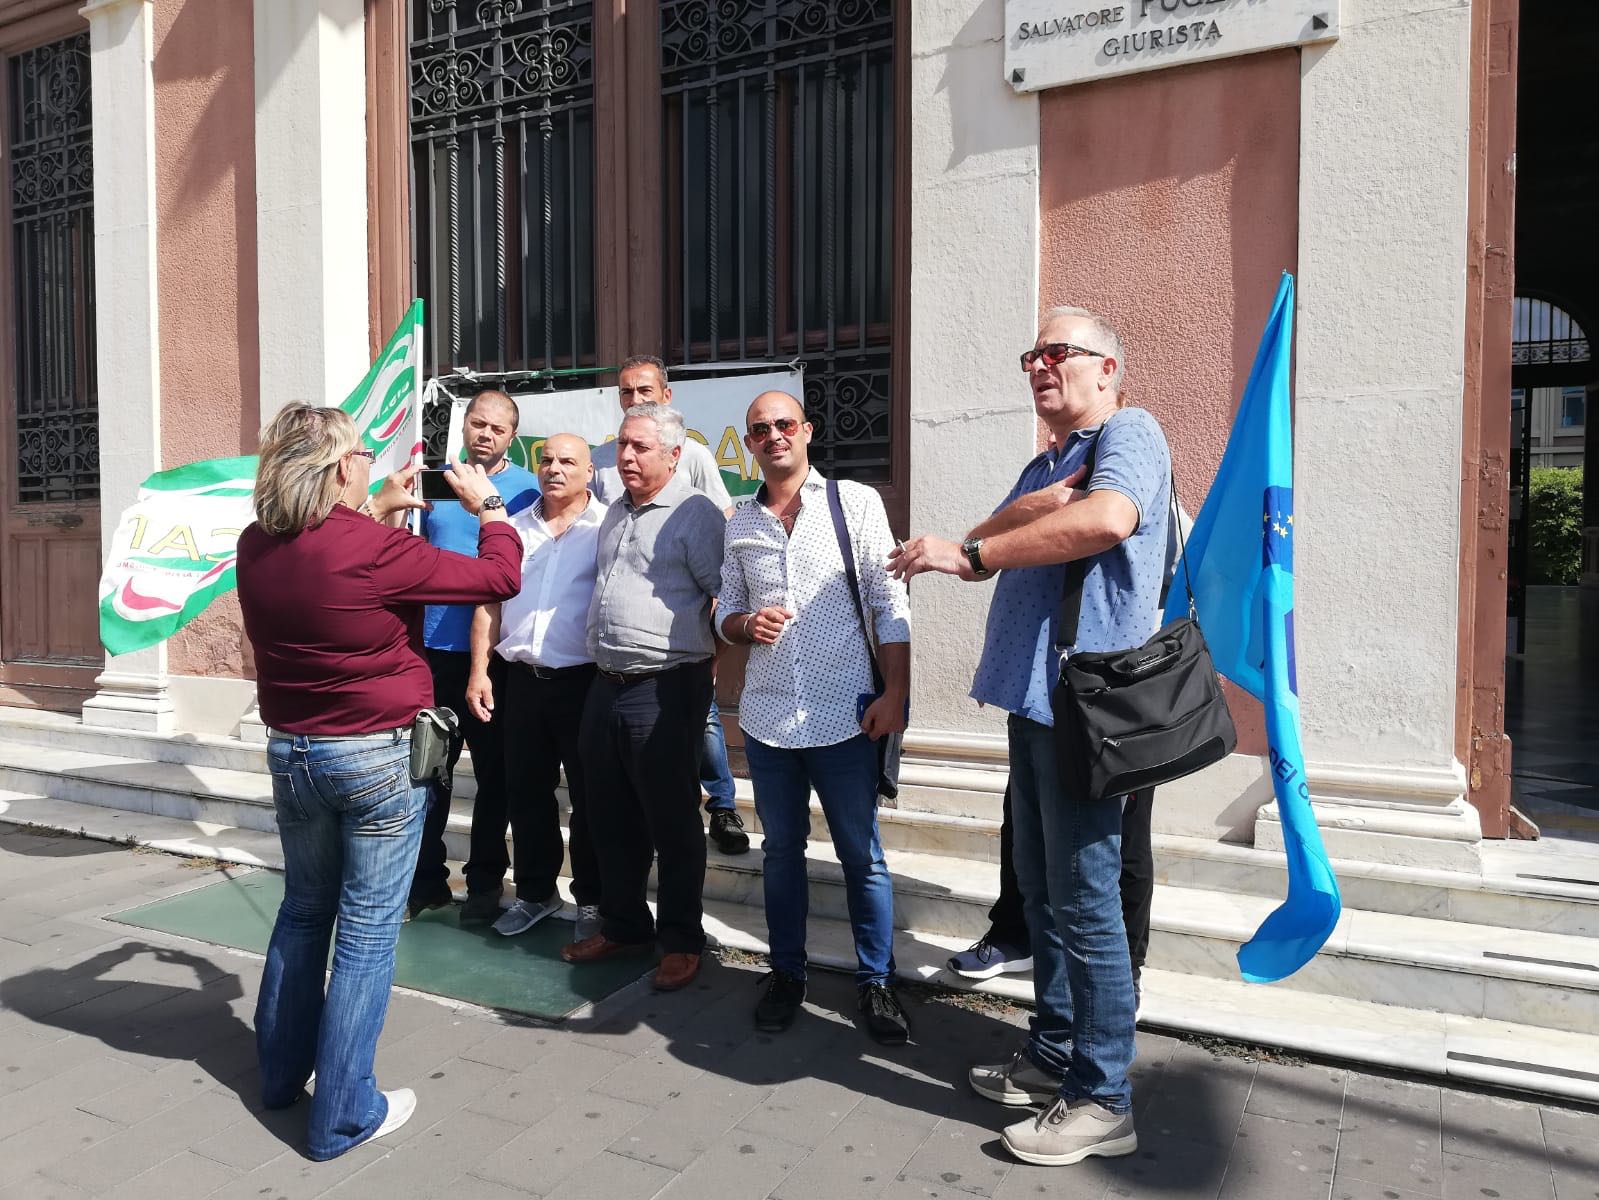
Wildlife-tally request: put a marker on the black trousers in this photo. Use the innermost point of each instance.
(542, 718)
(640, 744)
(488, 860)
(1006, 923)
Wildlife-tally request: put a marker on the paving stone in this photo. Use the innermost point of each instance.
(137, 1148)
(1568, 1127)
(151, 1093)
(802, 1111)
(569, 1069)
(183, 1175)
(650, 1078)
(1279, 1160)
(514, 1047)
(614, 1177)
(962, 1156)
(1401, 1145)
(68, 1134)
(448, 1088)
(1347, 1187)
(1200, 1098)
(1367, 1095)
(41, 1187)
(72, 1088)
(1575, 1180)
(295, 1176)
(470, 1187)
(688, 1124)
(1309, 1095)
(861, 1157)
(257, 1138)
(1494, 1128)
(562, 1142)
(425, 1165)
(743, 1164)
(414, 1057)
(1483, 1179)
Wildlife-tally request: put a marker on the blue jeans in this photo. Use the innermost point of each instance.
(1068, 862)
(716, 777)
(350, 821)
(845, 779)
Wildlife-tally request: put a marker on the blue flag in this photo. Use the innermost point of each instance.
(1240, 557)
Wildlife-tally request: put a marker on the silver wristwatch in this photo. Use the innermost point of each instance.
(494, 501)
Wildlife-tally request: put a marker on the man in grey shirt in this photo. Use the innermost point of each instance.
(643, 379)
(649, 630)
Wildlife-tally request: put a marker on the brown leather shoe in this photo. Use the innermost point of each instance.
(599, 946)
(676, 971)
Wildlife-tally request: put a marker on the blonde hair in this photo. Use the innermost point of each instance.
(297, 482)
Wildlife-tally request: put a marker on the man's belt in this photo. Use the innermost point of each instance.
(539, 672)
(624, 680)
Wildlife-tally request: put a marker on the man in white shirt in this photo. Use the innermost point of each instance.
(643, 379)
(809, 713)
(542, 636)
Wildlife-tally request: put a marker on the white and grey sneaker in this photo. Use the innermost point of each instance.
(1069, 1131)
(525, 914)
(588, 922)
(402, 1103)
(984, 959)
(1017, 1083)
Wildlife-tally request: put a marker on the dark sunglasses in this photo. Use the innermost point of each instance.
(761, 430)
(1055, 353)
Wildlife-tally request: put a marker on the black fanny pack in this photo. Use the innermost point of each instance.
(1126, 720)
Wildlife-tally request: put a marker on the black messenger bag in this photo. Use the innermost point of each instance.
(1126, 720)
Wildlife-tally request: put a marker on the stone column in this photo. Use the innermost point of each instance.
(1380, 379)
(133, 692)
(311, 219)
(974, 306)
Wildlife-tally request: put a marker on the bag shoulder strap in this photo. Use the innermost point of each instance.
(1070, 613)
(841, 531)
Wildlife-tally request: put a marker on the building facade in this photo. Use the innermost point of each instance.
(219, 208)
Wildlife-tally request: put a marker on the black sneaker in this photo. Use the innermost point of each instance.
(781, 1003)
(885, 1019)
(420, 902)
(481, 908)
(727, 831)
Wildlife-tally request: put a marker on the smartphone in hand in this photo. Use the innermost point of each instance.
(435, 486)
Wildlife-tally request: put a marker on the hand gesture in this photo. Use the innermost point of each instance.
(929, 554)
(471, 485)
(765, 626)
(395, 497)
(480, 697)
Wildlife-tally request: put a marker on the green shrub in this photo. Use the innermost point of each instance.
(1555, 538)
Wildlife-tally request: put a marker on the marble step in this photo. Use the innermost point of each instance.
(1549, 1062)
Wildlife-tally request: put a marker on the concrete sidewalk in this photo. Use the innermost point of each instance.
(127, 1070)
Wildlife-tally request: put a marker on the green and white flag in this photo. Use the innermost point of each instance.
(176, 549)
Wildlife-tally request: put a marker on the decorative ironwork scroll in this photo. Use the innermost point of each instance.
(502, 137)
(779, 153)
(52, 246)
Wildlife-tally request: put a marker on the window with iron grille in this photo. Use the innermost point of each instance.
(502, 140)
(49, 147)
(779, 163)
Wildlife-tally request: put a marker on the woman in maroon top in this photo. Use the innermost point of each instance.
(332, 601)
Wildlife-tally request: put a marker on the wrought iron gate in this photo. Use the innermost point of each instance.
(57, 430)
(502, 137)
(779, 223)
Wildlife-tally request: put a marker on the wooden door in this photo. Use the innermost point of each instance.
(49, 438)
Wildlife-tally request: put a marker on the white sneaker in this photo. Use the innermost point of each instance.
(402, 1103)
(588, 922)
(1068, 1132)
(525, 914)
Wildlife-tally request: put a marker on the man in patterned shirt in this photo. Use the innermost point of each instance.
(808, 712)
(1067, 848)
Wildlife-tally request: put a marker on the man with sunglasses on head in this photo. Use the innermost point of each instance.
(1067, 848)
(643, 379)
(809, 713)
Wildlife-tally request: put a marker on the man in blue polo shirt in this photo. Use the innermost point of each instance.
(487, 428)
(1067, 848)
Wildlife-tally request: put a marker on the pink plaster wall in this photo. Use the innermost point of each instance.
(205, 202)
(1169, 202)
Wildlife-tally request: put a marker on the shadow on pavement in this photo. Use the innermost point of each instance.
(170, 1020)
